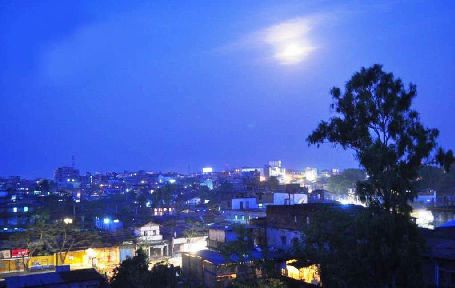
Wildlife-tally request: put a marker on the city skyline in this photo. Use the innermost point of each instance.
(126, 87)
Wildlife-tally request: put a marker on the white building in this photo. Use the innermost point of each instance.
(289, 199)
(244, 203)
(274, 169)
(149, 232)
(194, 201)
(311, 174)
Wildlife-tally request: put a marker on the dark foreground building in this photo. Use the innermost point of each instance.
(62, 278)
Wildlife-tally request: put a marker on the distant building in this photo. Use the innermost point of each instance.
(193, 201)
(244, 203)
(311, 174)
(108, 224)
(427, 198)
(207, 170)
(274, 169)
(289, 199)
(67, 178)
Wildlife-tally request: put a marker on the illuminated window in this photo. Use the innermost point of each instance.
(25, 209)
(14, 209)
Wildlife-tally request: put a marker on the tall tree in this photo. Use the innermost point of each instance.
(357, 247)
(132, 272)
(31, 239)
(374, 118)
(61, 238)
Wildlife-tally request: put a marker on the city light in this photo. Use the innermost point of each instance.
(68, 220)
(206, 170)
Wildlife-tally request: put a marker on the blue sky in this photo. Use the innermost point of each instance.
(167, 85)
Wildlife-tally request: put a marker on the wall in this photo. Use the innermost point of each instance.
(275, 240)
(289, 199)
(244, 203)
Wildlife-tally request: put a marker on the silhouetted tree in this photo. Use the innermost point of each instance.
(363, 248)
(341, 183)
(32, 239)
(374, 118)
(133, 272)
(60, 238)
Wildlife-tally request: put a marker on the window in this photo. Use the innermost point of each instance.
(145, 233)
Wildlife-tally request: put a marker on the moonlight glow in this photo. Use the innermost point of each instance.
(290, 41)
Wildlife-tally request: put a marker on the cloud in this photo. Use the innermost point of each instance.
(288, 42)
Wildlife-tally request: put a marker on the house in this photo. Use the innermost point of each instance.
(439, 257)
(151, 240)
(211, 267)
(244, 203)
(289, 198)
(62, 278)
(149, 232)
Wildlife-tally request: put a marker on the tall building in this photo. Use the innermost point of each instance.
(274, 169)
(67, 177)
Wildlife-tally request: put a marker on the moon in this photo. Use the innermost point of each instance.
(292, 53)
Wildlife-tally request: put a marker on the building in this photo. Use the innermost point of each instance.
(274, 169)
(289, 199)
(285, 223)
(151, 240)
(108, 224)
(311, 174)
(244, 203)
(67, 178)
(211, 268)
(243, 211)
(439, 257)
(61, 278)
(426, 198)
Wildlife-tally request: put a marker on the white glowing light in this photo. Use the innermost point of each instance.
(68, 221)
(207, 170)
(290, 40)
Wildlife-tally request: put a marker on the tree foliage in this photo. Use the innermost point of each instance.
(364, 248)
(32, 239)
(133, 272)
(61, 238)
(374, 118)
(341, 183)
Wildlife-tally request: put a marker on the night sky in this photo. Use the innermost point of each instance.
(177, 85)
